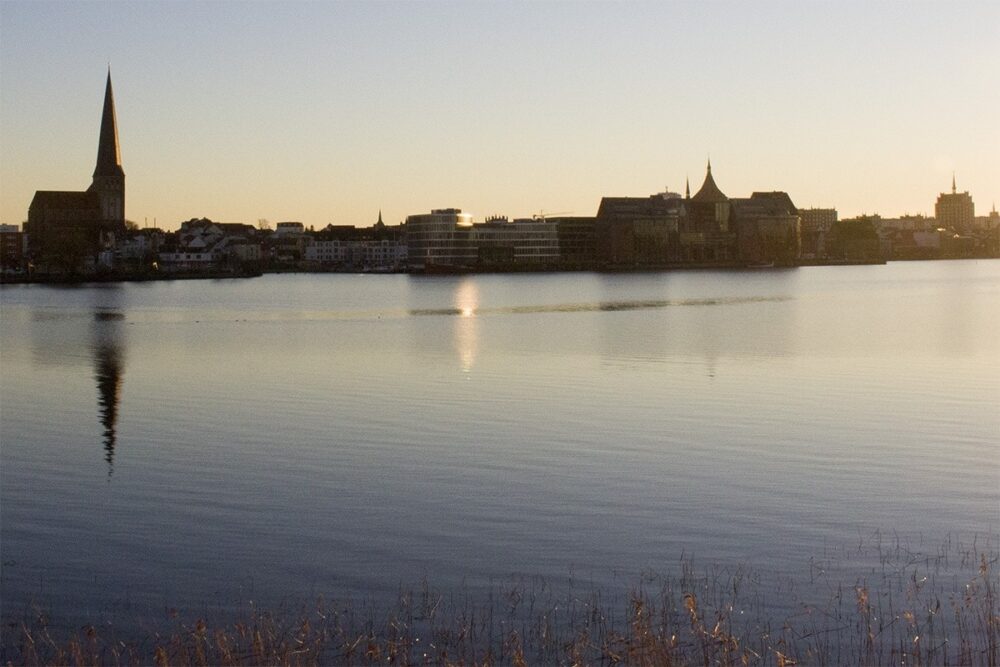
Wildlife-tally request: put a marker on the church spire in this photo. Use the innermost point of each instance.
(687, 188)
(109, 178)
(380, 218)
(953, 189)
(109, 159)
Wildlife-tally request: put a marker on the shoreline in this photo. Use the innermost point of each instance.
(442, 271)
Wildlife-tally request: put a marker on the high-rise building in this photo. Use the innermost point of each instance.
(956, 210)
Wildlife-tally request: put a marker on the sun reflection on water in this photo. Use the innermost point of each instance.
(466, 302)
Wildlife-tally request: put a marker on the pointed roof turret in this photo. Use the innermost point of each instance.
(109, 158)
(953, 188)
(687, 188)
(709, 191)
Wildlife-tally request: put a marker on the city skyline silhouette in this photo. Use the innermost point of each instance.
(329, 113)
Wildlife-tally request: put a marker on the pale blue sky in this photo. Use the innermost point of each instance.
(326, 112)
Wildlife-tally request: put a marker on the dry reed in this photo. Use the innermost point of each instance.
(912, 608)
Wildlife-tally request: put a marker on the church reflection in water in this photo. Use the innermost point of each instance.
(109, 365)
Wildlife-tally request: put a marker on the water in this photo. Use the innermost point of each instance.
(199, 444)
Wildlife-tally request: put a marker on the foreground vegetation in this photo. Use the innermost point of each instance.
(911, 608)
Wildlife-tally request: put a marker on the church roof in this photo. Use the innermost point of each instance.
(64, 200)
(709, 192)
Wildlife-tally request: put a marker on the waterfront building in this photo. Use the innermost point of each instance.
(706, 233)
(68, 230)
(767, 225)
(856, 240)
(385, 247)
(377, 248)
(814, 227)
(440, 238)
(329, 246)
(577, 240)
(12, 241)
(500, 242)
(638, 231)
(955, 211)
(139, 249)
(203, 245)
(384, 253)
(708, 228)
(449, 239)
(708, 209)
(285, 246)
(896, 235)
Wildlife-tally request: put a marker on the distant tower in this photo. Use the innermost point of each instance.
(955, 211)
(109, 177)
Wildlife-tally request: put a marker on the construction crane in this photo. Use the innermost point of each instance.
(541, 215)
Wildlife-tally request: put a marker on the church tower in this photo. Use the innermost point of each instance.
(109, 177)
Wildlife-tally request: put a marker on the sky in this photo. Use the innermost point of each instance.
(328, 112)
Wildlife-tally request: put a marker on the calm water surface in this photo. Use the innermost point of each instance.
(211, 442)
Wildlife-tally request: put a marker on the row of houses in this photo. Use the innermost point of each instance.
(202, 245)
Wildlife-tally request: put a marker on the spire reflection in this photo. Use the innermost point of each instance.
(109, 366)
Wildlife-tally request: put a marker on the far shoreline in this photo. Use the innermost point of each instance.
(110, 278)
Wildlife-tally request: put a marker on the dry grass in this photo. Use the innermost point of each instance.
(913, 609)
